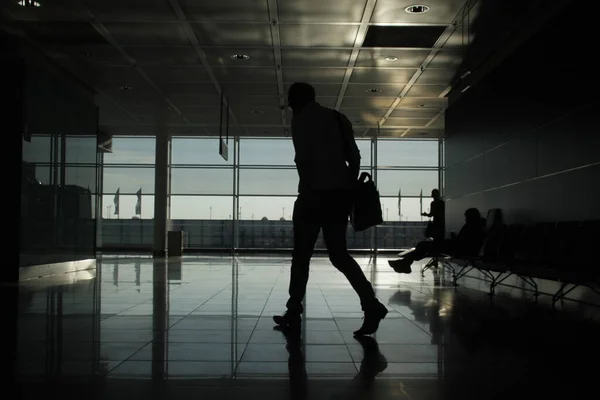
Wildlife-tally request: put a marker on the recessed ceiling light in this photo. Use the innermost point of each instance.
(29, 3)
(391, 58)
(374, 90)
(240, 57)
(417, 9)
(125, 87)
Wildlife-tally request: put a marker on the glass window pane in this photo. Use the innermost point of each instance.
(84, 177)
(409, 206)
(201, 207)
(407, 153)
(269, 208)
(127, 207)
(268, 182)
(364, 146)
(266, 152)
(201, 181)
(131, 150)
(129, 232)
(198, 151)
(128, 180)
(81, 149)
(411, 183)
(39, 150)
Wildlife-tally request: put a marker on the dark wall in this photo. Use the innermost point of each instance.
(58, 141)
(524, 138)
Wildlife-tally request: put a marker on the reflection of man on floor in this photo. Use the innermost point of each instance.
(468, 242)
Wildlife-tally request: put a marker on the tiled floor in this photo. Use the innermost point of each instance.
(201, 327)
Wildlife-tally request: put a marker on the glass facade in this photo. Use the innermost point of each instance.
(247, 201)
(59, 198)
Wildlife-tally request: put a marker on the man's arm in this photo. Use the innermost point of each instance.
(351, 152)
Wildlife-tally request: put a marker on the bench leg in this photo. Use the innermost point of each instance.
(463, 271)
(531, 283)
(496, 280)
(433, 263)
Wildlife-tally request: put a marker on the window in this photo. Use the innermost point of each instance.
(132, 150)
(129, 180)
(198, 151)
(202, 181)
(267, 152)
(407, 153)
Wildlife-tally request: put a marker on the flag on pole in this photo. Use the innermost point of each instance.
(421, 202)
(138, 205)
(400, 202)
(116, 201)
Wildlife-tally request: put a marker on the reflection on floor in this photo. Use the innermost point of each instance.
(201, 326)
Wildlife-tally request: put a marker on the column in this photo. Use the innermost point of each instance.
(161, 186)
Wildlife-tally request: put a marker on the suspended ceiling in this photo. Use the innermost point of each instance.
(159, 64)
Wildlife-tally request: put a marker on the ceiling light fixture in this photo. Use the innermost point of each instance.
(391, 58)
(374, 90)
(29, 3)
(125, 87)
(240, 57)
(417, 9)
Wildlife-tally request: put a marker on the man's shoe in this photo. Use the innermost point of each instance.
(401, 266)
(288, 319)
(372, 319)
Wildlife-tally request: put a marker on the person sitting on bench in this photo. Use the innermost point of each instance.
(468, 242)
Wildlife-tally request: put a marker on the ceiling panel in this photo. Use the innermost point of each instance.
(392, 11)
(131, 10)
(426, 90)
(361, 112)
(229, 34)
(57, 10)
(195, 99)
(206, 88)
(248, 89)
(446, 59)
(260, 117)
(307, 35)
(357, 90)
(237, 99)
(191, 73)
(314, 75)
(315, 57)
(407, 121)
(94, 54)
(268, 132)
(247, 10)
(368, 102)
(111, 114)
(326, 101)
(140, 94)
(117, 76)
(385, 133)
(426, 103)
(248, 74)
(222, 56)
(148, 33)
(414, 113)
(435, 76)
(404, 58)
(380, 75)
(322, 90)
(321, 11)
(164, 55)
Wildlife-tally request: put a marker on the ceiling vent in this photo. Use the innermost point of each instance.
(421, 36)
(62, 32)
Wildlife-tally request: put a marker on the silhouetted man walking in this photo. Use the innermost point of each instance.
(328, 163)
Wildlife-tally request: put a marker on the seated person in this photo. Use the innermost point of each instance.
(468, 242)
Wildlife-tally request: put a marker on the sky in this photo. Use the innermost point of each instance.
(268, 179)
